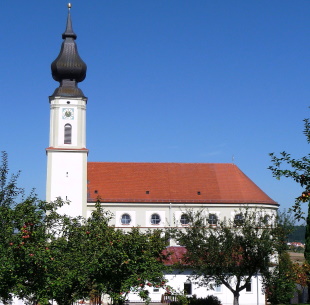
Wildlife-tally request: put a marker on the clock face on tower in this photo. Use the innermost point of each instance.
(68, 113)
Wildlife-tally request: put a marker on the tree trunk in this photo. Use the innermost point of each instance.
(236, 297)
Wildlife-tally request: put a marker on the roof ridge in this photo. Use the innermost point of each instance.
(154, 162)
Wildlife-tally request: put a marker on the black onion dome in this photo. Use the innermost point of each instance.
(68, 68)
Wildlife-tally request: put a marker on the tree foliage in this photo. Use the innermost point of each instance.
(230, 254)
(284, 277)
(122, 262)
(297, 169)
(281, 284)
(47, 256)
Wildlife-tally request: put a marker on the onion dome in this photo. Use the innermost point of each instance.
(68, 68)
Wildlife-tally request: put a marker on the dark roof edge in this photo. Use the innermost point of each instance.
(273, 203)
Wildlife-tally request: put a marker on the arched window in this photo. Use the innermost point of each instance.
(238, 220)
(155, 219)
(184, 219)
(212, 220)
(126, 219)
(68, 134)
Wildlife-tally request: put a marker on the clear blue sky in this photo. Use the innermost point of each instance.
(168, 81)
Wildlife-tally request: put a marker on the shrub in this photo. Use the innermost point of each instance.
(209, 300)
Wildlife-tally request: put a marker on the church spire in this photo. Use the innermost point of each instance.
(69, 30)
(68, 68)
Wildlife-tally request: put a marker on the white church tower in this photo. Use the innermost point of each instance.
(67, 152)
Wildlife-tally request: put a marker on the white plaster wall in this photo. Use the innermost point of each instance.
(176, 280)
(67, 163)
(67, 179)
(170, 213)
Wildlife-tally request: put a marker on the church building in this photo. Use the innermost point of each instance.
(149, 195)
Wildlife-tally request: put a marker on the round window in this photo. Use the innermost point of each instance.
(238, 220)
(155, 219)
(184, 219)
(126, 219)
(212, 219)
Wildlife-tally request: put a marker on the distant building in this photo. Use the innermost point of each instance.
(296, 244)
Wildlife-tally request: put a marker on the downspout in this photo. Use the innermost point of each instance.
(257, 288)
(170, 220)
(170, 216)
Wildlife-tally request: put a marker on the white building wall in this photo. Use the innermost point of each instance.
(66, 179)
(176, 280)
(67, 162)
(170, 213)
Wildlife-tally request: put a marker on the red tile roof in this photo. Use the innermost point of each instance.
(172, 182)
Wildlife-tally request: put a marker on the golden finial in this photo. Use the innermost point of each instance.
(69, 5)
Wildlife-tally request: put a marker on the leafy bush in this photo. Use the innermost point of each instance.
(209, 300)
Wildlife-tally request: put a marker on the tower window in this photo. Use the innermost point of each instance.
(198, 193)
(147, 192)
(68, 134)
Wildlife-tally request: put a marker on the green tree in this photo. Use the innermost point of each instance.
(281, 284)
(9, 191)
(68, 263)
(28, 250)
(232, 253)
(9, 195)
(32, 233)
(122, 262)
(38, 238)
(47, 256)
(299, 171)
(7, 266)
